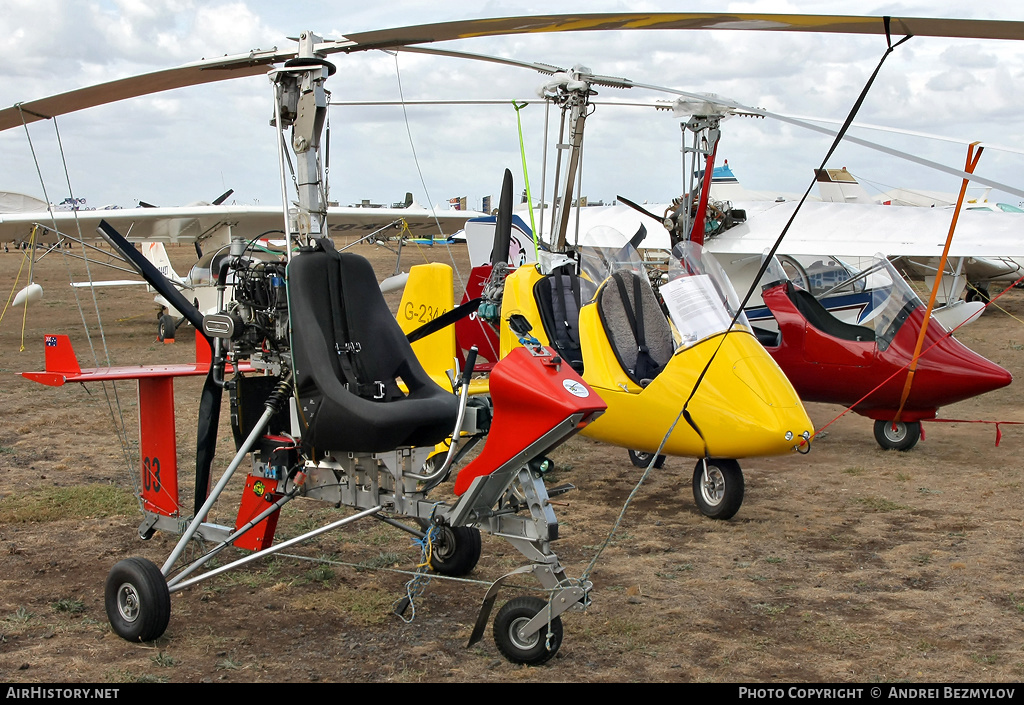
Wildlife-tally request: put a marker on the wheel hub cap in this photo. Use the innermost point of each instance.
(128, 602)
(712, 486)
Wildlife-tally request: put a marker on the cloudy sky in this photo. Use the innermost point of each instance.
(195, 143)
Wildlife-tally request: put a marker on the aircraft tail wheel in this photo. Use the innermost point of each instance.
(534, 649)
(165, 328)
(642, 459)
(137, 600)
(720, 494)
(898, 435)
(455, 550)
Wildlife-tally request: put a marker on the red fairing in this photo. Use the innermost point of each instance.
(531, 396)
(470, 331)
(825, 368)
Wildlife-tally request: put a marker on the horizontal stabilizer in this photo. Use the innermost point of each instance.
(62, 366)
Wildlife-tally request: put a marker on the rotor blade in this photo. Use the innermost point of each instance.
(503, 222)
(842, 24)
(256, 62)
(205, 71)
(546, 69)
(960, 173)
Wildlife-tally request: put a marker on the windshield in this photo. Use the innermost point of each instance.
(604, 251)
(699, 297)
(891, 299)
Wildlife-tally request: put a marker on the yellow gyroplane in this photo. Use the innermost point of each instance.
(694, 384)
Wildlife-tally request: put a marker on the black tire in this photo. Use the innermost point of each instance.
(722, 495)
(897, 436)
(165, 328)
(137, 600)
(455, 550)
(539, 647)
(977, 293)
(642, 459)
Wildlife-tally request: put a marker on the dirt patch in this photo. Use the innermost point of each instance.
(847, 564)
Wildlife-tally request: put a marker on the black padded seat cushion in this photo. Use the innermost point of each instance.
(558, 301)
(819, 317)
(337, 418)
(622, 335)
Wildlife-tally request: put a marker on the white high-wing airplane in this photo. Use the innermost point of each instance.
(971, 275)
(209, 226)
(828, 234)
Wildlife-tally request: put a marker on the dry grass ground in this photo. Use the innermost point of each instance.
(846, 564)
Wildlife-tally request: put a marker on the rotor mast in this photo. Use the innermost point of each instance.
(571, 91)
(301, 103)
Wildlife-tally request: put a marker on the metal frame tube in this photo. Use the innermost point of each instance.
(193, 527)
(274, 549)
(276, 506)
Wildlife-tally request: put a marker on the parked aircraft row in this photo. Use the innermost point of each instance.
(331, 402)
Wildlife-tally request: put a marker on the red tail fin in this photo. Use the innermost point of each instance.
(60, 356)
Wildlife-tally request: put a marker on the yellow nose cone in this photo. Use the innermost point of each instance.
(743, 407)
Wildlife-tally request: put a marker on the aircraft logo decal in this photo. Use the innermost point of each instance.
(575, 388)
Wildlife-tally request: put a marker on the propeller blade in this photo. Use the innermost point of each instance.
(223, 197)
(503, 222)
(206, 437)
(639, 208)
(639, 237)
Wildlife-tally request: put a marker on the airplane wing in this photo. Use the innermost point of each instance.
(862, 230)
(838, 229)
(197, 223)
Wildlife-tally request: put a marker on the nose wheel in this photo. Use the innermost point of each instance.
(533, 649)
(719, 493)
(137, 600)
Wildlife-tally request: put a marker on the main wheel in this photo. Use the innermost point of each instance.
(977, 293)
(720, 495)
(534, 649)
(642, 459)
(897, 435)
(165, 328)
(137, 600)
(455, 550)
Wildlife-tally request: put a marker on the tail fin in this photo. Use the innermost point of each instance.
(428, 294)
(156, 253)
(60, 356)
(840, 186)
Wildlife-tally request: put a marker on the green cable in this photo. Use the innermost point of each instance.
(526, 178)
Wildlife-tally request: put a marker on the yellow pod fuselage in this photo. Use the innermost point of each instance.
(744, 407)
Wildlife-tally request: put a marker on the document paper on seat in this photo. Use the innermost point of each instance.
(695, 307)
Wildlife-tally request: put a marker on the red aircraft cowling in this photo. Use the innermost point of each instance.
(835, 367)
